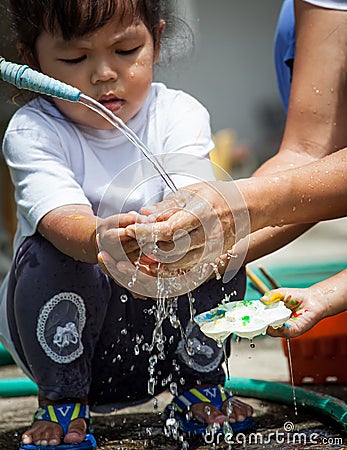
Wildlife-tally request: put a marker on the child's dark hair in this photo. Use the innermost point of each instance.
(76, 18)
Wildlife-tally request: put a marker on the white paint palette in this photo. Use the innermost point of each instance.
(245, 318)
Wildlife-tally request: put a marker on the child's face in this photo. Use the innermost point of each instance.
(113, 65)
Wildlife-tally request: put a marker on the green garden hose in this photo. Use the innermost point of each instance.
(17, 387)
(5, 357)
(323, 404)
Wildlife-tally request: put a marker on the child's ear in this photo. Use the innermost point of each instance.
(27, 55)
(160, 31)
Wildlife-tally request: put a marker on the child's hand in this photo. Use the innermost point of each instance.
(122, 273)
(307, 305)
(119, 252)
(113, 243)
(112, 238)
(143, 276)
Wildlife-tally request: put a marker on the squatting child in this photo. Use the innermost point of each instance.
(63, 318)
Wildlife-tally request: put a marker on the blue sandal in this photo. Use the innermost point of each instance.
(216, 395)
(63, 415)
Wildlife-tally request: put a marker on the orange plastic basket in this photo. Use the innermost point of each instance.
(320, 355)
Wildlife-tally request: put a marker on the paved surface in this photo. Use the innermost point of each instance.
(141, 427)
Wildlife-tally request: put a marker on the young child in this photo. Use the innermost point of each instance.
(68, 324)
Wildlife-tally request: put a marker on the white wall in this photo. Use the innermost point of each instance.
(232, 70)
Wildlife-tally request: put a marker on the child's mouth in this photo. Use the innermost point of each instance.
(111, 102)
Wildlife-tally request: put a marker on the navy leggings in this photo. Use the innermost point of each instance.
(80, 334)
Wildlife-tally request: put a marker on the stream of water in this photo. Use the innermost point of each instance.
(129, 134)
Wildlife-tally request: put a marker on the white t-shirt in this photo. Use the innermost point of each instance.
(330, 4)
(55, 162)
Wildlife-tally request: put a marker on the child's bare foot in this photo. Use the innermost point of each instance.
(45, 432)
(76, 432)
(211, 405)
(49, 433)
(210, 415)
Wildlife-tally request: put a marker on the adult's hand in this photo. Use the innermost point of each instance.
(307, 306)
(194, 226)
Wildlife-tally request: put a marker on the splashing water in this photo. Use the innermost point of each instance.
(130, 135)
(292, 377)
(134, 275)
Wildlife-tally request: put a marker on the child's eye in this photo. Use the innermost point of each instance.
(127, 52)
(74, 60)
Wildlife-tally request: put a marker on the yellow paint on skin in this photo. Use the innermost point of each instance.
(274, 298)
(77, 217)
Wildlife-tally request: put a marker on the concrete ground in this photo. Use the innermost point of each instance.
(141, 427)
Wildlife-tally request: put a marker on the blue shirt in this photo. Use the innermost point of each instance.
(285, 50)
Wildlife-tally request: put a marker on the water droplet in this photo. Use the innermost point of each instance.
(153, 360)
(227, 429)
(151, 386)
(173, 389)
(207, 410)
(123, 298)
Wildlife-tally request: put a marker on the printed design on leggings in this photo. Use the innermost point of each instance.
(60, 325)
(65, 336)
(197, 353)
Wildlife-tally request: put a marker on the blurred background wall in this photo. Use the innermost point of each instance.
(230, 70)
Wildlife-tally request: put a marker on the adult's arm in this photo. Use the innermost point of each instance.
(317, 108)
(315, 124)
(309, 193)
(313, 192)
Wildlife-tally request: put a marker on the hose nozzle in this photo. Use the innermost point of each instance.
(24, 77)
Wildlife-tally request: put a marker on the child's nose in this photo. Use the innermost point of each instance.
(104, 71)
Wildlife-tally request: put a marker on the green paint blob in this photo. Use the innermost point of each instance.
(245, 320)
